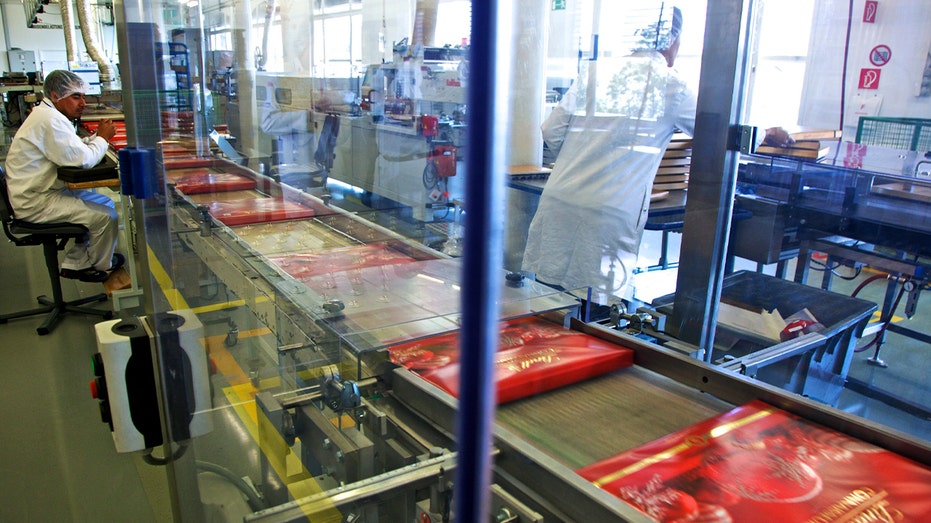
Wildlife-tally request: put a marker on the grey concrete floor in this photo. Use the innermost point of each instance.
(57, 458)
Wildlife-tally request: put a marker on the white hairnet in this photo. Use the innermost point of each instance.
(61, 83)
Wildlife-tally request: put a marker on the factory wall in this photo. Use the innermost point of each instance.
(48, 44)
(896, 92)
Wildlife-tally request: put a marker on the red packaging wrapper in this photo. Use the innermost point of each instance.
(209, 182)
(259, 210)
(756, 463)
(186, 163)
(534, 356)
(92, 126)
(308, 265)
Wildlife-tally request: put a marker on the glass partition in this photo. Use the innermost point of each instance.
(301, 186)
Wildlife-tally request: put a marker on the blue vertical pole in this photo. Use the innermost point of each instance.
(483, 256)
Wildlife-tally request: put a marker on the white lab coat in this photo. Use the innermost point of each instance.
(610, 132)
(45, 141)
(293, 132)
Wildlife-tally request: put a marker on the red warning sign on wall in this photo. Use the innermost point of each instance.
(869, 78)
(869, 11)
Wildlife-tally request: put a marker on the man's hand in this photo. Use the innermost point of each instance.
(106, 129)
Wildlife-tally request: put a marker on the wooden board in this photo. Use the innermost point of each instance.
(670, 186)
(677, 153)
(909, 191)
(811, 133)
(792, 152)
(671, 178)
(522, 170)
(672, 170)
(668, 161)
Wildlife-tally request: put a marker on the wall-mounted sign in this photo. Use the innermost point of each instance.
(559, 5)
(880, 55)
(869, 11)
(869, 78)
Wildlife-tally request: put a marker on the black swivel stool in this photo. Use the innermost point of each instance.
(52, 237)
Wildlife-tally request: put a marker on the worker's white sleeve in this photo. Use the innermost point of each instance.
(685, 117)
(65, 148)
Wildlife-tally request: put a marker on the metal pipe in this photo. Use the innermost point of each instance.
(67, 23)
(87, 20)
(482, 273)
(262, 56)
(713, 177)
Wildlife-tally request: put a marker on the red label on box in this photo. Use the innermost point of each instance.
(758, 460)
(534, 356)
(869, 78)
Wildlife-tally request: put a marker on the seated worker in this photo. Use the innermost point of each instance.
(46, 141)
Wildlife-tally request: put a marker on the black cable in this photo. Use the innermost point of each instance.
(252, 498)
(161, 462)
(843, 80)
(856, 273)
(833, 270)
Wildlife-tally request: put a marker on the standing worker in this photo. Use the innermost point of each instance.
(609, 132)
(46, 141)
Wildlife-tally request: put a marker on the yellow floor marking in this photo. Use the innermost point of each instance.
(878, 314)
(241, 397)
(219, 306)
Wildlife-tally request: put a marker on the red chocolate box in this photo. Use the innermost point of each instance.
(309, 265)
(208, 182)
(760, 463)
(534, 356)
(258, 210)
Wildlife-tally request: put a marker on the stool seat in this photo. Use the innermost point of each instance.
(52, 237)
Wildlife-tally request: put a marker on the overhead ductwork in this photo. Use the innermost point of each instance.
(425, 23)
(67, 22)
(87, 19)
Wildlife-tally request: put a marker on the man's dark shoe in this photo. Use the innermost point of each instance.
(117, 261)
(87, 275)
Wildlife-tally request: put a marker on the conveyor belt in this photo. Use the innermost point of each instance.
(590, 421)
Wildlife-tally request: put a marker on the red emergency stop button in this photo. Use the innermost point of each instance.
(94, 390)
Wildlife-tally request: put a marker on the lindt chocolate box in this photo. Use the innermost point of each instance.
(534, 356)
(760, 463)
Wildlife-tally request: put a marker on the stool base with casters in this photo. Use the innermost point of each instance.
(52, 237)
